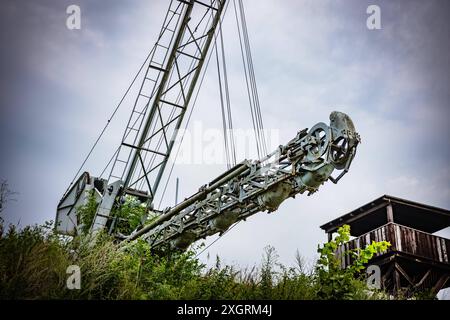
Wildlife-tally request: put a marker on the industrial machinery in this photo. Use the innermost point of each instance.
(171, 78)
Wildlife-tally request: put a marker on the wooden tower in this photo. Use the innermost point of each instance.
(418, 260)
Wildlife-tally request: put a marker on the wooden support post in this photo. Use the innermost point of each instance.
(387, 276)
(404, 274)
(397, 283)
(390, 213)
(440, 284)
(425, 276)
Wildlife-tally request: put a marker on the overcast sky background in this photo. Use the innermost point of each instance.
(59, 86)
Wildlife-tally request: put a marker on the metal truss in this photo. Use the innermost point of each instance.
(302, 165)
(175, 64)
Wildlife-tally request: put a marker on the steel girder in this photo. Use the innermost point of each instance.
(303, 164)
(166, 91)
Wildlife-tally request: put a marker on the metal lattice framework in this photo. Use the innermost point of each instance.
(170, 78)
(302, 165)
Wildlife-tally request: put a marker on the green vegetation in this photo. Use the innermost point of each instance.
(33, 263)
(86, 213)
(127, 217)
(337, 283)
(130, 215)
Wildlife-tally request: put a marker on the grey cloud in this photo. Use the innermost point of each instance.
(311, 57)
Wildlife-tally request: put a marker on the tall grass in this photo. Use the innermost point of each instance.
(33, 263)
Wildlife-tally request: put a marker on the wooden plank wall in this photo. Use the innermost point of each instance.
(403, 239)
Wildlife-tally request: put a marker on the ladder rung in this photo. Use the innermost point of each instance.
(160, 45)
(170, 30)
(141, 94)
(130, 128)
(206, 5)
(149, 79)
(157, 68)
(139, 113)
(174, 12)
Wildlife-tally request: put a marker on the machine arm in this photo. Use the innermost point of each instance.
(303, 164)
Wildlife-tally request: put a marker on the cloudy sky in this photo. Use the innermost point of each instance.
(311, 57)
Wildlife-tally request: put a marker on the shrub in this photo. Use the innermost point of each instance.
(33, 263)
(337, 283)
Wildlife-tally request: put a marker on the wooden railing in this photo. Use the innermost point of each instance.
(403, 240)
